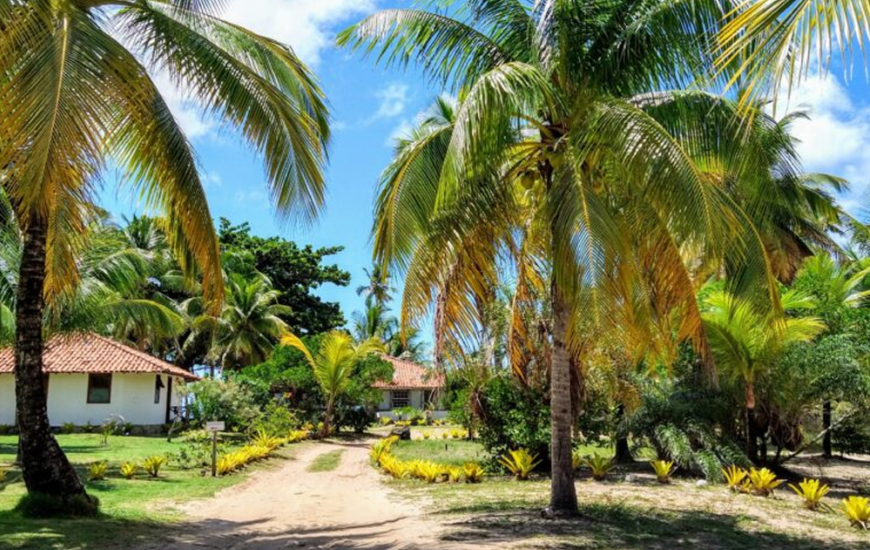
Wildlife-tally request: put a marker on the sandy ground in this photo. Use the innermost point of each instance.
(289, 507)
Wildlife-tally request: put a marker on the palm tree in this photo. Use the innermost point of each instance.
(75, 100)
(333, 365)
(547, 142)
(250, 324)
(378, 287)
(775, 43)
(835, 288)
(746, 341)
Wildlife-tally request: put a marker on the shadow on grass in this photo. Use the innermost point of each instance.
(19, 533)
(106, 533)
(618, 526)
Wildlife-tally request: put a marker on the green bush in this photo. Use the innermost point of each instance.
(276, 419)
(42, 506)
(218, 400)
(514, 417)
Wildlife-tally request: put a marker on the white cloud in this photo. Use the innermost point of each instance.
(836, 137)
(307, 25)
(394, 98)
(186, 111)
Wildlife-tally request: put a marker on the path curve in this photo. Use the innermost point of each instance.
(289, 507)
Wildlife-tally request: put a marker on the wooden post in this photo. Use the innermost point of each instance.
(214, 453)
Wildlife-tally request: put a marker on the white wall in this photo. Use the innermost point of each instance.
(414, 396)
(7, 399)
(132, 398)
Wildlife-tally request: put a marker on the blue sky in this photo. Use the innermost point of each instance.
(370, 105)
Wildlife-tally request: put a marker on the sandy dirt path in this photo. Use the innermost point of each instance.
(289, 507)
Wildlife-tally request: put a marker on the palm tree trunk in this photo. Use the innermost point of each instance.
(623, 452)
(751, 436)
(563, 497)
(827, 446)
(327, 418)
(44, 466)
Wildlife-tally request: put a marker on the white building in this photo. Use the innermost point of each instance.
(91, 378)
(412, 385)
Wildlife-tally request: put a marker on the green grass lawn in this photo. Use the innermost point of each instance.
(641, 515)
(326, 462)
(446, 451)
(132, 507)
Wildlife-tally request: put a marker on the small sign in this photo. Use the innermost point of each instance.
(216, 426)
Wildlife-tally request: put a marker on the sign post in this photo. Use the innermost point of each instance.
(214, 427)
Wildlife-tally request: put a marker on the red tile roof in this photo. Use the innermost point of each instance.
(91, 353)
(410, 376)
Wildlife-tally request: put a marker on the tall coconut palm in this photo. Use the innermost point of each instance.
(377, 288)
(746, 340)
(333, 365)
(547, 140)
(74, 98)
(250, 324)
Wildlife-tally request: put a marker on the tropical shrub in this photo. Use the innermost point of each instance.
(473, 473)
(394, 467)
(514, 417)
(663, 469)
(97, 471)
(227, 401)
(385, 421)
(426, 435)
(600, 466)
(686, 425)
(429, 471)
(275, 419)
(128, 470)
(153, 464)
(520, 463)
(763, 482)
(857, 509)
(811, 492)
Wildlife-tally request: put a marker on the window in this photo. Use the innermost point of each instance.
(400, 399)
(99, 388)
(158, 385)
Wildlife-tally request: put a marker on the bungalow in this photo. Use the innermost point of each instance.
(412, 386)
(91, 378)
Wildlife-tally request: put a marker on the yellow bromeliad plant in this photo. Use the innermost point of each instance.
(97, 471)
(600, 466)
(811, 491)
(380, 448)
(129, 469)
(763, 482)
(664, 469)
(735, 477)
(263, 439)
(473, 472)
(153, 464)
(520, 463)
(857, 509)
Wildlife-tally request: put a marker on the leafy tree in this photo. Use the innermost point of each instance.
(746, 342)
(295, 272)
(288, 376)
(333, 365)
(838, 291)
(76, 100)
(551, 141)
